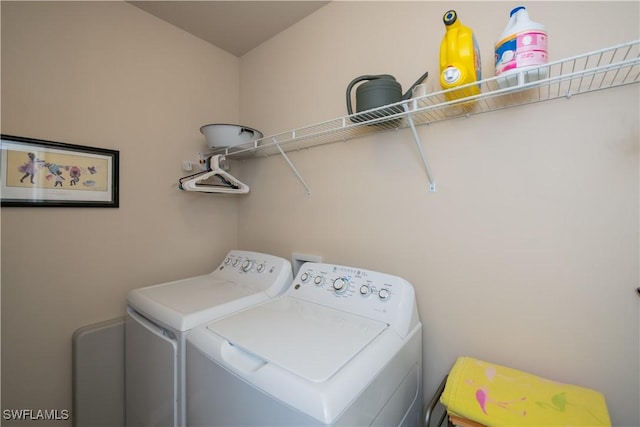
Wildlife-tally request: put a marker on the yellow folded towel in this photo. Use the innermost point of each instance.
(494, 395)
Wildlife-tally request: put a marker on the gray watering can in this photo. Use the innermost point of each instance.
(379, 90)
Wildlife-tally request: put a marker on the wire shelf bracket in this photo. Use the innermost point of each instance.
(293, 168)
(416, 137)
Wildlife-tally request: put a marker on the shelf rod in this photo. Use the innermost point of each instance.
(432, 182)
(293, 168)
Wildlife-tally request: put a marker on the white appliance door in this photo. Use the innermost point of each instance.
(151, 374)
(307, 339)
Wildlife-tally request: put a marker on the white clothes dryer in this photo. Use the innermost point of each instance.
(160, 317)
(342, 346)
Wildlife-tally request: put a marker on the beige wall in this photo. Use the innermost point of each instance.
(527, 255)
(104, 74)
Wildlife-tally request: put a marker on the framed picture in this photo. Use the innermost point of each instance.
(35, 172)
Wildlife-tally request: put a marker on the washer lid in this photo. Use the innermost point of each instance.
(309, 340)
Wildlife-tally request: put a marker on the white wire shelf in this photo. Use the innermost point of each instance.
(602, 69)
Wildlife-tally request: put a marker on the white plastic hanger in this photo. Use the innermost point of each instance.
(214, 180)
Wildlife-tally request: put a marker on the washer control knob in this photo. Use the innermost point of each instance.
(383, 293)
(304, 277)
(260, 268)
(364, 290)
(319, 280)
(227, 261)
(340, 285)
(246, 266)
(236, 262)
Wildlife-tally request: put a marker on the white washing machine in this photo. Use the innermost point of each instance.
(343, 346)
(160, 317)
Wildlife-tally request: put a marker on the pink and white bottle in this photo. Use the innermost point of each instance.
(521, 50)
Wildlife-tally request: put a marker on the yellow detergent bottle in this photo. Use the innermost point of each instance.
(459, 58)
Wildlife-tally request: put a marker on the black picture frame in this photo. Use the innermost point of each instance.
(41, 173)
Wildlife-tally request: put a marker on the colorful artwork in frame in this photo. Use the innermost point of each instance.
(35, 172)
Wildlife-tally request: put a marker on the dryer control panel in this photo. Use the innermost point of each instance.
(255, 270)
(367, 293)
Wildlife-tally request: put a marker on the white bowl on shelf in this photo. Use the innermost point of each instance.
(228, 135)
